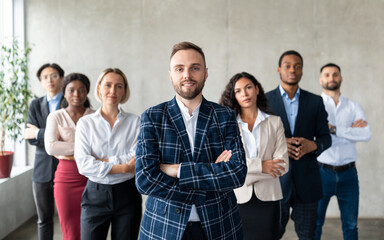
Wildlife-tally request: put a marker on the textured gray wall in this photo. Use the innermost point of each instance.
(88, 36)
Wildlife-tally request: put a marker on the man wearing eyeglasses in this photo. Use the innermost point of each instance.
(50, 76)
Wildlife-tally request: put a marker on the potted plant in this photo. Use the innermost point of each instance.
(15, 93)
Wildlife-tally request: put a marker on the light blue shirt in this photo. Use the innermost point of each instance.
(53, 103)
(291, 107)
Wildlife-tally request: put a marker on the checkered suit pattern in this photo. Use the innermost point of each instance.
(164, 139)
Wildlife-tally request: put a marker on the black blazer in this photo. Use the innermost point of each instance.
(311, 123)
(45, 165)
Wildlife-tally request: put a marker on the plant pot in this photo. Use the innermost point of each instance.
(6, 162)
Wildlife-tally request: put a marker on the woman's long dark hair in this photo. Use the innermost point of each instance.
(228, 96)
(76, 77)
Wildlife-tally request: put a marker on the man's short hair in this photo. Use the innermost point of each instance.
(290, 52)
(186, 46)
(330, 65)
(51, 65)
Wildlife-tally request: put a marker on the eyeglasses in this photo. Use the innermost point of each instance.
(53, 76)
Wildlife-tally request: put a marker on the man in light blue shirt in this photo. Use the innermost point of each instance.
(348, 125)
(50, 76)
(291, 106)
(307, 135)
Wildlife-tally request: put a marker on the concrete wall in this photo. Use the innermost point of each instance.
(90, 35)
(16, 202)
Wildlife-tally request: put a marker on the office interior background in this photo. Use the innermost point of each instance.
(136, 36)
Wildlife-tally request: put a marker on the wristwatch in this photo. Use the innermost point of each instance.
(332, 129)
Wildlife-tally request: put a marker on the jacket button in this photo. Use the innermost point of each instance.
(178, 211)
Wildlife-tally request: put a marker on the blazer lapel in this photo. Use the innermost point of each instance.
(61, 101)
(202, 127)
(280, 111)
(263, 131)
(302, 106)
(44, 108)
(178, 123)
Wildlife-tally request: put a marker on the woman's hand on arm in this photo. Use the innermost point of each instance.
(123, 168)
(273, 167)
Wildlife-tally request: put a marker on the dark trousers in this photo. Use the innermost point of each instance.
(45, 207)
(303, 214)
(194, 231)
(102, 205)
(261, 220)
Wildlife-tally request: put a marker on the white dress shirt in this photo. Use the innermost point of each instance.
(94, 139)
(343, 149)
(251, 139)
(190, 125)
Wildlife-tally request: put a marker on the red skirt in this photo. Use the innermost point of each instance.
(68, 189)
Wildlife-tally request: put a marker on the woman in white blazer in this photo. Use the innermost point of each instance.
(266, 153)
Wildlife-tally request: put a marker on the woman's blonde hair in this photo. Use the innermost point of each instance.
(101, 77)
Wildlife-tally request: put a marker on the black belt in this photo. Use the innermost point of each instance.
(338, 168)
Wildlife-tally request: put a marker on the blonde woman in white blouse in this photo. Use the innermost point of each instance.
(105, 153)
(59, 141)
(266, 153)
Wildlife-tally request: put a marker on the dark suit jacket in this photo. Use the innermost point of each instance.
(311, 123)
(164, 139)
(45, 165)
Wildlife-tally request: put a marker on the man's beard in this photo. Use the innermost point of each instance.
(332, 88)
(189, 95)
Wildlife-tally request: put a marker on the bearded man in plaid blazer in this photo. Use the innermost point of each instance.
(189, 159)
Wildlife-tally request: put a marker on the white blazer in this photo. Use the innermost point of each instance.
(271, 145)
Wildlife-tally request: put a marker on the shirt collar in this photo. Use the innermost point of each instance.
(261, 116)
(119, 115)
(185, 111)
(329, 98)
(283, 93)
(55, 98)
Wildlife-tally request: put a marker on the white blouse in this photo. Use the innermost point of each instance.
(59, 136)
(251, 139)
(95, 140)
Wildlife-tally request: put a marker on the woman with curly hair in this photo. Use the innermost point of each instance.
(266, 153)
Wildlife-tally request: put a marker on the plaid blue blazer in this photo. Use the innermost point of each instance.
(164, 139)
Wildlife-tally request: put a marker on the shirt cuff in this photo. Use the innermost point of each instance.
(37, 134)
(114, 160)
(178, 172)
